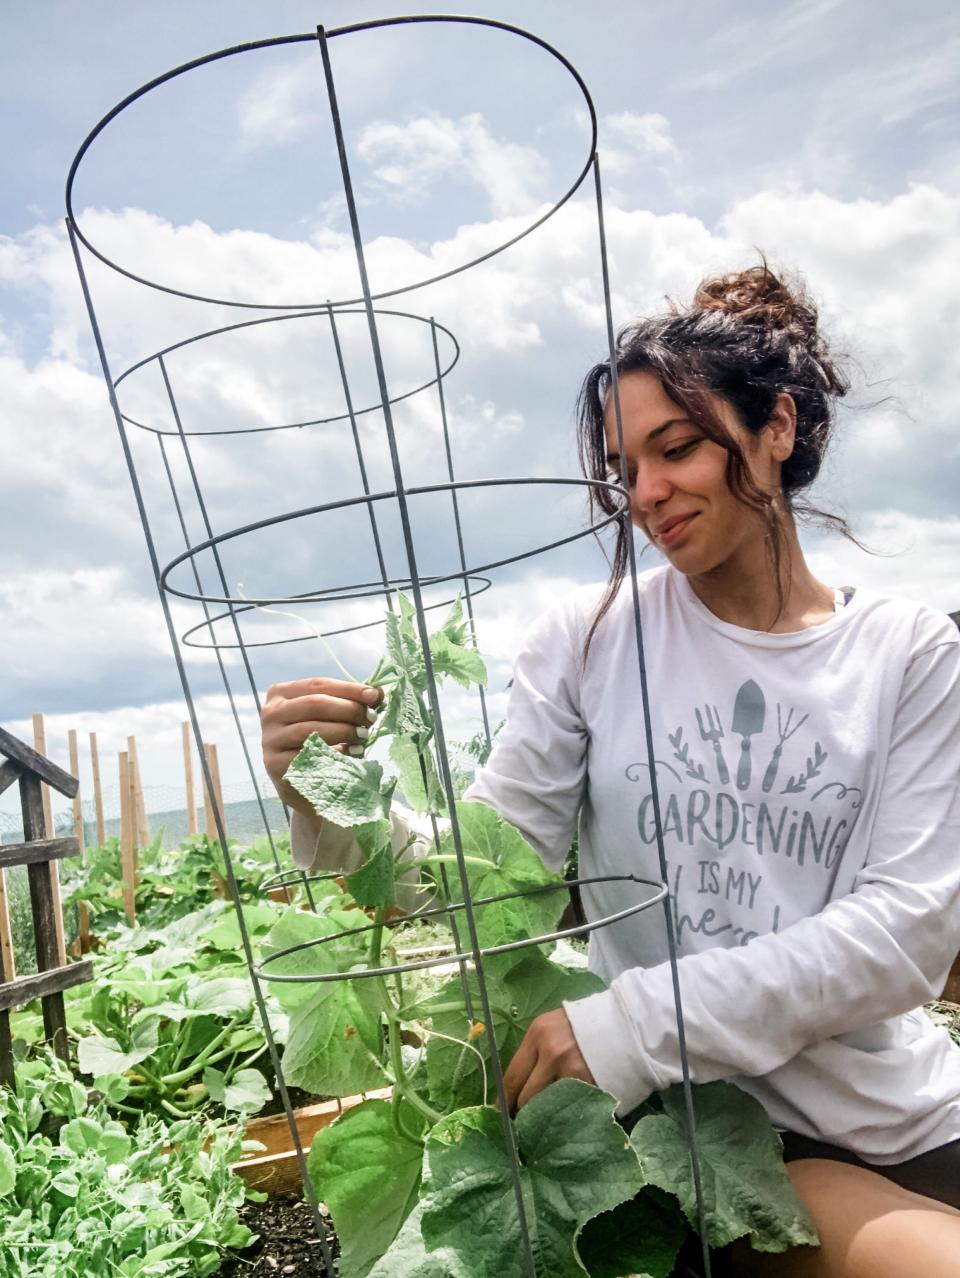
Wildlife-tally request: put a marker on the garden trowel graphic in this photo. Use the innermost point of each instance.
(749, 711)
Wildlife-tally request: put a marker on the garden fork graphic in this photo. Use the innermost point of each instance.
(712, 733)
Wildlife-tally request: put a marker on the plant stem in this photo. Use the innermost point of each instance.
(450, 859)
(202, 1058)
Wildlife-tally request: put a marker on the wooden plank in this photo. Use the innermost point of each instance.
(10, 772)
(20, 753)
(192, 827)
(38, 850)
(48, 937)
(40, 742)
(97, 791)
(140, 810)
(128, 851)
(45, 984)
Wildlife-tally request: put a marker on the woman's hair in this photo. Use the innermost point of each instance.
(746, 337)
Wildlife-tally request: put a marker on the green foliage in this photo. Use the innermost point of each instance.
(347, 1165)
(159, 1200)
(745, 1186)
(422, 1187)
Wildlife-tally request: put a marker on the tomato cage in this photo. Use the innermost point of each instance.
(184, 479)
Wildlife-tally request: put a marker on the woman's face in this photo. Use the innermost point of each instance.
(677, 476)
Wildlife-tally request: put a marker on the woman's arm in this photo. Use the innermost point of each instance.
(883, 949)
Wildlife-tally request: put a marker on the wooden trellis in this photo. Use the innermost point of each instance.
(20, 763)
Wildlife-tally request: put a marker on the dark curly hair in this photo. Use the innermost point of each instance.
(746, 337)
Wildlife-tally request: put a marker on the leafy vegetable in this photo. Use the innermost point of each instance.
(574, 1163)
(745, 1186)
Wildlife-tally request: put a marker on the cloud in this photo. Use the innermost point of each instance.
(282, 104)
(627, 138)
(408, 159)
(80, 629)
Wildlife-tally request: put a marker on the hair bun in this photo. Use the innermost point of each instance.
(758, 296)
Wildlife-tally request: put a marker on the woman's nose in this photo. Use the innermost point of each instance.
(651, 488)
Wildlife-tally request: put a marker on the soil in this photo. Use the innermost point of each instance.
(287, 1246)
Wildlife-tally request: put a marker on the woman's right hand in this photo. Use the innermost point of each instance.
(340, 713)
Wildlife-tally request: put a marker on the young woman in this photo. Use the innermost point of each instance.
(807, 755)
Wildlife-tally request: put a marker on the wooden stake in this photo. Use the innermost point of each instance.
(97, 791)
(192, 826)
(40, 745)
(143, 825)
(83, 909)
(75, 771)
(8, 967)
(210, 825)
(128, 851)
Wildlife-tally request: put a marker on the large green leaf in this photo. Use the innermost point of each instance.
(334, 1044)
(369, 1177)
(465, 665)
(575, 1161)
(299, 927)
(98, 1054)
(372, 884)
(408, 1256)
(412, 767)
(746, 1188)
(245, 1093)
(517, 996)
(514, 868)
(8, 1169)
(344, 790)
(640, 1237)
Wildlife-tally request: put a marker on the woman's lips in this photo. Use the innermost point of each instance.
(674, 530)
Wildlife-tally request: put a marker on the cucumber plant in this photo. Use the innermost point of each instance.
(421, 1184)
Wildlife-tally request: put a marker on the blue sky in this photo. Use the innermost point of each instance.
(823, 133)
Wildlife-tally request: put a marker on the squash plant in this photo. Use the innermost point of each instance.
(421, 1184)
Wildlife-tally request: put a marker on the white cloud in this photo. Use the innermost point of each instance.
(407, 159)
(626, 138)
(282, 104)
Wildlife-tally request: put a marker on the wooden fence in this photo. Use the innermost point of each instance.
(134, 824)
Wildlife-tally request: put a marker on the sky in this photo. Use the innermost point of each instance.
(822, 134)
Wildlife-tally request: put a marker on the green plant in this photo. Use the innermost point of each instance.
(80, 1194)
(422, 1184)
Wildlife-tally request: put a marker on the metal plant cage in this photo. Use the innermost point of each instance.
(163, 449)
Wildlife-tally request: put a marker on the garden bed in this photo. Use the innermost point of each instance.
(286, 1244)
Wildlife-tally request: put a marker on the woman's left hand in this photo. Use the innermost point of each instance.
(549, 1051)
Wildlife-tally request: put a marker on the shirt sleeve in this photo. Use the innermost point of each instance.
(536, 773)
(883, 949)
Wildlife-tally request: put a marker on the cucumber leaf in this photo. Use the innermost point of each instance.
(334, 1044)
(465, 665)
(514, 868)
(369, 1177)
(408, 1257)
(373, 885)
(529, 988)
(407, 760)
(297, 927)
(642, 1236)
(342, 789)
(745, 1185)
(575, 1162)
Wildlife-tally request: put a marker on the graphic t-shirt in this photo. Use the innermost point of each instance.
(808, 791)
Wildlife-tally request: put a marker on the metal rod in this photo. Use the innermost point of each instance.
(648, 732)
(192, 712)
(424, 640)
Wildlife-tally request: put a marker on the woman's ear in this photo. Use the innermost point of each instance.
(782, 425)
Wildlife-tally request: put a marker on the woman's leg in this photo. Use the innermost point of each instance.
(869, 1227)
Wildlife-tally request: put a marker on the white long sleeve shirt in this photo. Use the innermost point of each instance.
(808, 787)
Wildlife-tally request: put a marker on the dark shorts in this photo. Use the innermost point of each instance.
(935, 1173)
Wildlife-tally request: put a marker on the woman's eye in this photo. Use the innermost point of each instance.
(680, 450)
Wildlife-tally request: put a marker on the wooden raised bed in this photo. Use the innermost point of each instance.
(275, 1170)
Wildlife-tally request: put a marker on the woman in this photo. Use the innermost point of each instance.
(806, 748)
